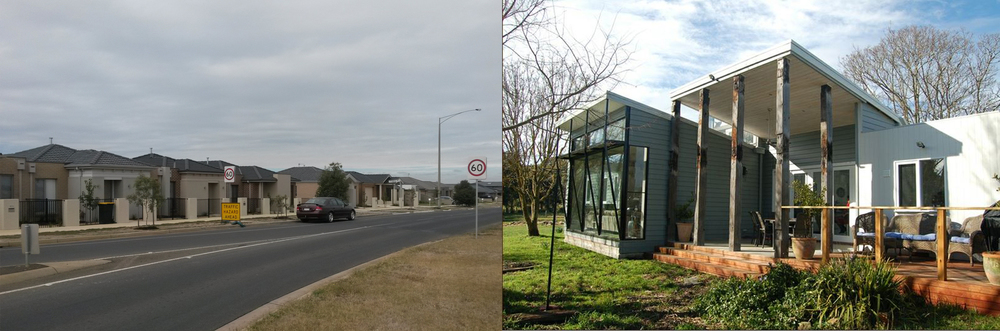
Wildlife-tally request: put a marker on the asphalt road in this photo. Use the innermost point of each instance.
(205, 280)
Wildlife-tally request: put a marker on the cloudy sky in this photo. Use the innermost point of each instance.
(273, 84)
(676, 42)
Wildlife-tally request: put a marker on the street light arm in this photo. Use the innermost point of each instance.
(446, 118)
(441, 120)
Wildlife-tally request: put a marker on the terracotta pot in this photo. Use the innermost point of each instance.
(684, 231)
(804, 248)
(991, 265)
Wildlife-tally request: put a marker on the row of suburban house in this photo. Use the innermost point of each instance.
(39, 179)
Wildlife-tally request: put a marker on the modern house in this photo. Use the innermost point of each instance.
(183, 179)
(57, 172)
(793, 118)
(308, 181)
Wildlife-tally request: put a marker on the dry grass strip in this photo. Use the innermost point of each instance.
(454, 284)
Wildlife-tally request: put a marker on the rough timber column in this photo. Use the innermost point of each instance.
(736, 165)
(826, 142)
(781, 171)
(675, 147)
(701, 188)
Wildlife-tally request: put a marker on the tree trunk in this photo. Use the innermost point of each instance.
(530, 219)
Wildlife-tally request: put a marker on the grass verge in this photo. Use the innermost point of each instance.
(449, 285)
(606, 293)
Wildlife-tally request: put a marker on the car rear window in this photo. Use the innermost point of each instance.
(316, 201)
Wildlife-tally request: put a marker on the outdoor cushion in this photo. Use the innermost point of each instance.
(894, 235)
(890, 235)
(919, 237)
(961, 240)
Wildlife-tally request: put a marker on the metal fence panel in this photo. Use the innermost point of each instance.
(41, 212)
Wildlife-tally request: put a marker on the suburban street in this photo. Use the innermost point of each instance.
(204, 280)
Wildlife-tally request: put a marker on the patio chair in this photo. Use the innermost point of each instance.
(762, 230)
(866, 236)
(918, 232)
(969, 239)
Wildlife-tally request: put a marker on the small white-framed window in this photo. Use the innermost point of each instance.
(920, 183)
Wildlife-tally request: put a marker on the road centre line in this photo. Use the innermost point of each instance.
(182, 258)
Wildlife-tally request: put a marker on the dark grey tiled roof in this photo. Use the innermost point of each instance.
(54, 153)
(303, 174)
(423, 185)
(155, 160)
(95, 157)
(51, 153)
(378, 178)
(360, 177)
(256, 174)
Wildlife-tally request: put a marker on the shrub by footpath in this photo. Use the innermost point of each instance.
(851, 293)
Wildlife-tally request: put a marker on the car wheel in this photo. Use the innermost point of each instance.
(329, 217)
(351, 216)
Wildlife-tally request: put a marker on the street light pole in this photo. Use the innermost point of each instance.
(442, 120)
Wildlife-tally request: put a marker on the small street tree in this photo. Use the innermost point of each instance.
(87, 199)
(281, 204)
(333, 182)
(465, 194)
(147, 195)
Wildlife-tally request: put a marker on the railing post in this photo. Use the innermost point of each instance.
(879, 235)
(826, 235)
(942, 246)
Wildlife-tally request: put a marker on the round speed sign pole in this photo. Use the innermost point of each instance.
(477, 171)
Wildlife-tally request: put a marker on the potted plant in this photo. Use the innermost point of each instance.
(803, 244)
(991, 232)
(684, 225)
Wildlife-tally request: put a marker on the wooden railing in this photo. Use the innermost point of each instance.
(941, 230)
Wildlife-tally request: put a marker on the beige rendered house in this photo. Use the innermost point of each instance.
(308, 181)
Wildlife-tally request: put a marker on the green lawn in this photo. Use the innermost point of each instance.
(606, 293)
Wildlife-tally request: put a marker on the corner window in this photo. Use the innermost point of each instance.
(636, 193)
(920, 183)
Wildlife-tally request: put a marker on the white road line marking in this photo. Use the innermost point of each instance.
(183, 257)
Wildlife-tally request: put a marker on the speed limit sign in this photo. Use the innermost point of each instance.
(477, 168)
(230, 174)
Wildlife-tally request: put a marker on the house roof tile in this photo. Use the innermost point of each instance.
(304, 174)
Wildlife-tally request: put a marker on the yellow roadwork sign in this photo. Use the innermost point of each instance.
(230, 212)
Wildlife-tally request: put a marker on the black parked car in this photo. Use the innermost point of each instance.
(322, 208)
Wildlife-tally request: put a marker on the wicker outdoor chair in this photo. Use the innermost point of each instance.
(762, 230)
(969, 239)
(866, 223)
(918, 232)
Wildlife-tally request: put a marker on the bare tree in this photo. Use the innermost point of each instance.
(547, 72)
(927, 74)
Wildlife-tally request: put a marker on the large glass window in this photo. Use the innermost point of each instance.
(589, 199)
(616, 130)
(920, 183)
(6, 186)
(636, 203)
(45, 188)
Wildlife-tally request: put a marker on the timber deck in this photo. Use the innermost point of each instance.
(966, 286)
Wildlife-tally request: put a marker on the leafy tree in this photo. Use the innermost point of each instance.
(333, 182)
(465, 194)
(547, 72)
(148, 195)
(87, 199)
(926, 74)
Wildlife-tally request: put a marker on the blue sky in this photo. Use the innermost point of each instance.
(675, 42)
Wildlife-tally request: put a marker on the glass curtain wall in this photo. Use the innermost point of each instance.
(589, 198)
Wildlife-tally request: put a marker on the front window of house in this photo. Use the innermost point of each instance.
(6, 186)
(920, 183)
(595, 202)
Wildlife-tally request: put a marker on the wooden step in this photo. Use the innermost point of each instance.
(812, 264)
(704, 267)
(716, 259)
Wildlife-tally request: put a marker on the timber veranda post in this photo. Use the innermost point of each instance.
(701, 188)
(826, 142)
(736, 165)
(781, 170)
